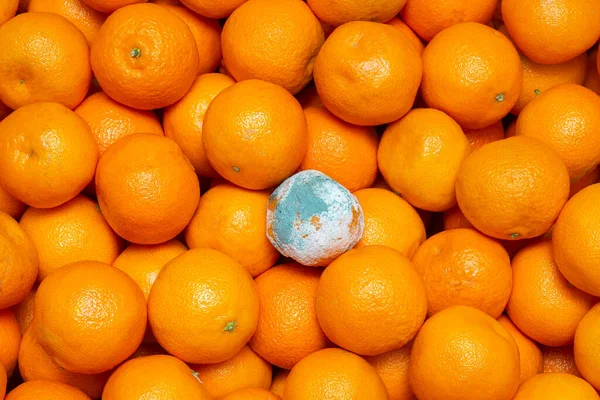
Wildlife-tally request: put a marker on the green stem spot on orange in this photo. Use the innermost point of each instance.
(230, 326)
(21, 81)
(236, 169)
(136, 52)
(514, 235)
(500, 97)
(537, 92)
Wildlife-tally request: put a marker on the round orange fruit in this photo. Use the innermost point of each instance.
(252, 394)
(585, 347)
(8, 9)
(530, 355)
(513, 188)
(560, 359)
(10, 340)
(410, 34)
(455, 219)
(213, 8)
(108, 6)
(203, 307)
(145, 56)
(489, 134)
(341, 11)
(278, 383)
(556, 387)
(10, 205)
(45, 389)
(89, 316)
(24, 311)
(473, 73)
(367, 73)
(392, 367)
(255, 141)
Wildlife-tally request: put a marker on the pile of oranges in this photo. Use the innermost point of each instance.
(299, 200)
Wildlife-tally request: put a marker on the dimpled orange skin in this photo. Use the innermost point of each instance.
(89, 316)
(216, 305)
(339, 12)
(45, 389)
(85, 18)
(367, 73)
(252, 394)
(531, 362)
(501, 184)
(390, 221)
(419, 156)
(110, 121)
(543, 304)
(473, 73)
(556, 386)
(368, 286)
(108, 6)
(244, 370)
(8, 9)
(560, 359)
(231, 220)
(346, 153)
(18, 262)
(74, 231)
(10, 340)
(145, 57)
(464, 267)
(479, 137)
(334, 372)
(566, 118)
(288, 329)
(147, 188)
(24, 311)
(586, 348)
(213, 8)
(30, 72)
(438, 369)
(428, 17)
(48, 152)
(278, 383)
(538, 78)
(155, 376)
(35, 364)
(392, 367)
(255, 134)
(273, 40)
(206, 32)
(552, 32)
(574, 240)
(184, 120)
(402, 27)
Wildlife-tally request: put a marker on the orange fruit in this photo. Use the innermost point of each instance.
(110, 121)
(252, 394)
(429, 17)
(473, 73)
(491, 199)
(184, 120)
(585, 348)
(543, 304)
(18, 262)
(231, 220)
(531, 362)
(108, 6)
(455, 219)
(367, 73)
(73, 231)
(24, 311)
(340, 12)
(8, 9)
(278, 383)
(276, 41)
(44, 58)
(10, 205)
(157, 376)
(332, 372)
(84, 17)
(144, 56)
(556, 387)
(10, 340)
(147, 188)
(47, 390)
(489, 134)
(392, 367)
(419, 156)
(213, 8)
(410, 34)
(390, 221)
(592, 79)
(35, 364)
(3, 381)
(368, 286)
(143, 262)
(89, 316)
(464, 267)
(283, 335)
(148, 349)
(574, 240)
(560, 359)
(255, 141)
(308, 97)
(203, 307)
(50, 154)
(566, 118)
(552, 33)
(538, 78)
(346, 153)
(438, 368)
(244, 370)
(587, 180)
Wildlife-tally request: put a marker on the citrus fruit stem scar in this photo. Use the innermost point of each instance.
(230, 326)
(136, 52)
(236, 169)
(514, 235)
(500, 97)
